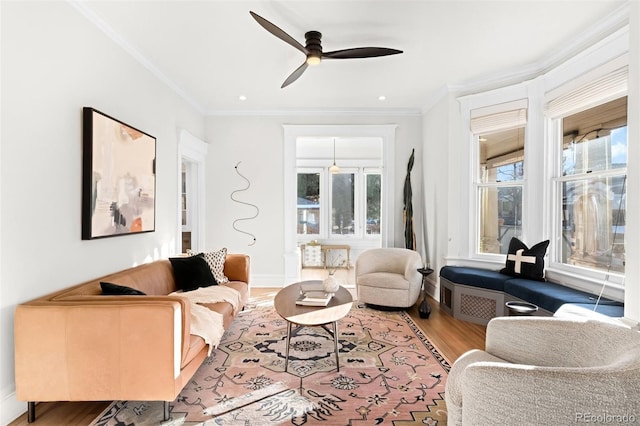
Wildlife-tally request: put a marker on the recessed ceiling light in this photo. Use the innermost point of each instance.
(242, 97)
(382, 98)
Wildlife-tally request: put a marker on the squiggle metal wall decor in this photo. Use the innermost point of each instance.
(248, 204)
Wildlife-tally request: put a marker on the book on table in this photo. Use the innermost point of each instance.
(314, 298)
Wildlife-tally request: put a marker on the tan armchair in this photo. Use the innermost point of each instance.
(389, 277)
(547, 370)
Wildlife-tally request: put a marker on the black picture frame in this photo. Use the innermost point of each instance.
(118, 177)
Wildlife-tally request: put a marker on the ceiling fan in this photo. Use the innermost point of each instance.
(313, 48)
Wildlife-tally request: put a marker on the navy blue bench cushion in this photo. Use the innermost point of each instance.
(614, 310)
(475, 277)
(549, 295)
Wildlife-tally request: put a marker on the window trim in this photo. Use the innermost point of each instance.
(511, 114)
(614, 280)
(567, 98)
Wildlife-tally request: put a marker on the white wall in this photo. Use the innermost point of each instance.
(435, 157)
(54, 62)
(257, 143)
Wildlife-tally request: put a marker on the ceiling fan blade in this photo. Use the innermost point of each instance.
(295, 75)
(276, 31)
(360, 52)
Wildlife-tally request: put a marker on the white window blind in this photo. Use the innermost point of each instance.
(606, 88)
(499, 117)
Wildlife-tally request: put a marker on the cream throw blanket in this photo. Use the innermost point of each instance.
(206, 323)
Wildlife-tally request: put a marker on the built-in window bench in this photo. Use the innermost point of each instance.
(477, 295)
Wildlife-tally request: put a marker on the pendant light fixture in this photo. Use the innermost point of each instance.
(334, 168)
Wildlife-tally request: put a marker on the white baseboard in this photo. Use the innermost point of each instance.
(432, 289)
(11, 408)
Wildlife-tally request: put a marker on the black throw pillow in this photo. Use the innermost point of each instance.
(119, 290)
(523, 262)
(192, 272)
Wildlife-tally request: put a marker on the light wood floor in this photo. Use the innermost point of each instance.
(451, 336)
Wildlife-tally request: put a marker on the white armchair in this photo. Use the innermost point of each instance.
(389, 277)
(547, 370)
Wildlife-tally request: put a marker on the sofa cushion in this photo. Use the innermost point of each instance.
(549, 295)
(524, 262)
(192, 272)
(475, 277)
(119, 290)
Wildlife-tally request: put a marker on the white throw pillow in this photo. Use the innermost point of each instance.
(216, 260)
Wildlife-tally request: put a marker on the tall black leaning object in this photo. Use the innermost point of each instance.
(424, 309)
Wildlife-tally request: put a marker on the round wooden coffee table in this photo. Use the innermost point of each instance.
(311, 316)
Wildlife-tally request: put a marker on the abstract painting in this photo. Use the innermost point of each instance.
(119, 177)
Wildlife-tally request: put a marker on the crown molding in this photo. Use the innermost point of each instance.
(589, 39)
(299, 112)
(108, 30)
(435, 97)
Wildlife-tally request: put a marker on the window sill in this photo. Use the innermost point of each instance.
(476, 263)
(612, 290)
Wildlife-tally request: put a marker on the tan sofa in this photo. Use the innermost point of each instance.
(79, 345)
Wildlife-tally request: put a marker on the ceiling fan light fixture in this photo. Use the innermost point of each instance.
(313, 59)
(313, 48)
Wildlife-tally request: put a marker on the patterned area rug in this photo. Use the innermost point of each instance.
(389, 374)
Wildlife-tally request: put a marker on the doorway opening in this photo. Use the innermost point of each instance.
(338, 196)
(191, 203)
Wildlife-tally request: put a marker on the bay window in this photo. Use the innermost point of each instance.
(547, 159)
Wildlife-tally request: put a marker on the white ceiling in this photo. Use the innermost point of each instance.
(212, 52)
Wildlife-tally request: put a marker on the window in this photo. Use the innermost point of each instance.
(373, 202)
(343, 211)
(309, 203)
(499, 176)
(354, 210)
(592, 187)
